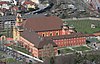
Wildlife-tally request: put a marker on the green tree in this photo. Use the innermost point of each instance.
(52, 61)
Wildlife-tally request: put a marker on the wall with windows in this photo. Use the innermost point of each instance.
(38, 52)
(70, 42)
(28, 45)
(53, 33)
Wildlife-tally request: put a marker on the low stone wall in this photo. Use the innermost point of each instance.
(88, 18)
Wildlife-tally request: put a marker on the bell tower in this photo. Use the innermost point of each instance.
(18, 28)
(19, 18)
(19, 21)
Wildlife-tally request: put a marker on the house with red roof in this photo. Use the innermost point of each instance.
(30, 5)
(4, 4)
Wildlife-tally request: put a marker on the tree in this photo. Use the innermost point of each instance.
(52, 61)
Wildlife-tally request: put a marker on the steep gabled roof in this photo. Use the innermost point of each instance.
(37, 40)
(43, 23)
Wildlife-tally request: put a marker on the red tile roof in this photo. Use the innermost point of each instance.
(3, 2)
(28, 2)
(9, 39)
(37, 40)
(43, 23)
(15, 7)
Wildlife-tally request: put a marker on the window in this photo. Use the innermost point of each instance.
(43, 35)
(50, 34)
(7, 24)
(57, 33)
(46, 34)
(64, 43)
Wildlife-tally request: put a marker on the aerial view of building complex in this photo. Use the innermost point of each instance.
(49, 31)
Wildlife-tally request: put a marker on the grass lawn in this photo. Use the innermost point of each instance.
(8, 60)
(81, 48)
(11, 61)
(66, 50)
(1, 53)
(21, 49)
(84, 25)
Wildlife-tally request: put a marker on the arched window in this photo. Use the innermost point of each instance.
(50, 34)
(57, 33)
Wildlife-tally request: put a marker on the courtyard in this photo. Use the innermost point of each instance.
(74, 49)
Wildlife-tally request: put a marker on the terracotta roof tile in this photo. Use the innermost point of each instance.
(9, 39)
(37, 40)
(3, 2)
(28, 2)
(43, 23)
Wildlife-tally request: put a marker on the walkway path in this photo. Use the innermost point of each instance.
(87, 18)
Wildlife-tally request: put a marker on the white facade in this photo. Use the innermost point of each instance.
(36, 1)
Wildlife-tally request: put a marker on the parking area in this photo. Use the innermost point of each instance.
(11, 56)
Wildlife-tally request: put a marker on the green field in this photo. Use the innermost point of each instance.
(1, 53)
(12, 61)
(65, 50)
(81, 48)
(84, 25)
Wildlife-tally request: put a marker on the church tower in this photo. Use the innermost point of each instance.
(17, 29)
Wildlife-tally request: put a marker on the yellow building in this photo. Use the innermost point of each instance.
(17, 29)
